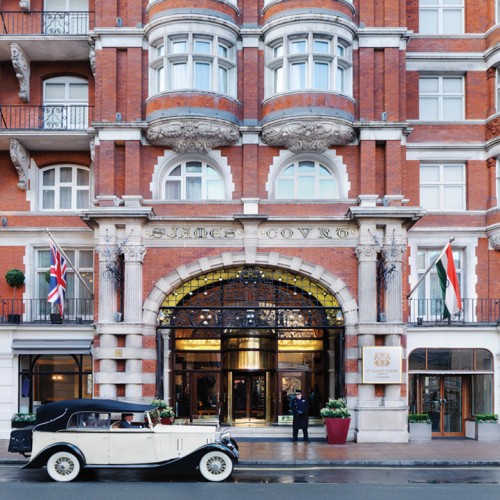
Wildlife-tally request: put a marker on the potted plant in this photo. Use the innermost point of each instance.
(167, 414)
(23, 420)
(487, 428)
(337, 419)
(15, 279)
(420, 427)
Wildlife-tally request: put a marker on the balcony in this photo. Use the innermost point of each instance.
(42, 312)
(475, 312)
(40, 34)
(46, 127)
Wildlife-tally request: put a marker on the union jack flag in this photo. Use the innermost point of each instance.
(57, 285)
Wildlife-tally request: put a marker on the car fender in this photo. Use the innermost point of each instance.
(41, 458)
(192, 460)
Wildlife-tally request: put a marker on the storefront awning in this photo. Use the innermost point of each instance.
(35, 346)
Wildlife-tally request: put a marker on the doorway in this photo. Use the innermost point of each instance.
(443, 399)
(249, 396)
(207, 394)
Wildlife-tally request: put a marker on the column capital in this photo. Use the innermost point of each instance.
(366, 253)
(106, 253)
(134, 253)
(396, 252)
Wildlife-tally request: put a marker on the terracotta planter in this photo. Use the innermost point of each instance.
(337, 429)
(167, 420)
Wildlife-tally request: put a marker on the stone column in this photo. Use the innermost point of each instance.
(108, 304)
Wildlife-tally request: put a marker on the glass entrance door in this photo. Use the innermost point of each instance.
(207, 393)
(442, 399)
(289, 384)
(249, 396)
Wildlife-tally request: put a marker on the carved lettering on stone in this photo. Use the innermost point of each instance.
(308, 136)
(21, 65)
(193, 136)
(24, 5)
(92, 57)
(21, 159)
(134, 254)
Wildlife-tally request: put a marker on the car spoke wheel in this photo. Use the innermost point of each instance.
(63, 466)
(216, 466)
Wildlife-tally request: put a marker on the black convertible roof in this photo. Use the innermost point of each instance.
(53, 417)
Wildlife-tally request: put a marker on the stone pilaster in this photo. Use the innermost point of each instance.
(134, 258)
(394, 293)
(107, 293)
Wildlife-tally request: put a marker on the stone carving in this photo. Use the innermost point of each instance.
(21, 65)
(395, 252)
(490, 72)
(106, 253)
(366, 253)
(92, 57)
(493, 129)
(25, 5)
(92, 149)
(491, 162)
(495, 242)
(134, 253)
(21, 159)
(193, 136)
(308, 136)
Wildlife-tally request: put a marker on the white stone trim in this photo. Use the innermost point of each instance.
(170, 157)
(329, 158)
(272, 259)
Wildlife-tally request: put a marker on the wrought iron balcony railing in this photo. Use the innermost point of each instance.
(53, 117)
(477, 312)
(46, 23)
(39, 311)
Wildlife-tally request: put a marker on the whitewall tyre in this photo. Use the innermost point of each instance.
(63, 467)
(216, 466)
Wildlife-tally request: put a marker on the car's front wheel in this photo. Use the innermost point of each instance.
(216, 466)
(63, 466)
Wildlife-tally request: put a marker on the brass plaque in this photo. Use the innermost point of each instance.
(118, 353)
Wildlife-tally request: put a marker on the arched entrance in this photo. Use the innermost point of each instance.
(243, 339)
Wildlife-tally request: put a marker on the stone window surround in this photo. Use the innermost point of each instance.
(163, 34)
(329, 159)
(170, 159)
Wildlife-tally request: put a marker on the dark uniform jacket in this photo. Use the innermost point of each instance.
(299, 408)
(125, 425)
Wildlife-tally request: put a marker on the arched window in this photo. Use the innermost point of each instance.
(65, 103)
(306, 180)
(64, 187)
(193, 180)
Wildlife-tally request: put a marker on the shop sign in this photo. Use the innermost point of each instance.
(382, 365)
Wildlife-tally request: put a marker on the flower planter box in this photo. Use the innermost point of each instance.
(20, 425)
(337, 430)
(487, 432)
(420, 432)
(167, 420)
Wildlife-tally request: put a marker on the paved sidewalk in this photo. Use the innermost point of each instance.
(437, 452)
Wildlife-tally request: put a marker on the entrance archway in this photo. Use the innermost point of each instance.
(244, 337)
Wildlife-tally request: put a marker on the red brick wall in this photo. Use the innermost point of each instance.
(11, 258)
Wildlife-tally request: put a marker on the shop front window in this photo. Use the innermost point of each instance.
(53, 377)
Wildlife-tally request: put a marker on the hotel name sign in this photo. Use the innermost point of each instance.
(382, 365)
(265, 231)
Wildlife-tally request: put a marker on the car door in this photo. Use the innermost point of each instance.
(93, 437)
(131, 446)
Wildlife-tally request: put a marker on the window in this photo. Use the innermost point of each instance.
(498, 181)
(309, 62)
(441, 16)
(442, 187)
(498, 89)
(193, 62)
(52, 377)
(430, 296)
(193, 180)
(69, 17)
(306, 180)
(77, 297)
(441, 98)
(65, 103)
(65, 187)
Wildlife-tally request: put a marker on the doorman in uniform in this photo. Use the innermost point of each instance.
(299, 408)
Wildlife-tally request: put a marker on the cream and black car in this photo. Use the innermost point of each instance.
(71, 435)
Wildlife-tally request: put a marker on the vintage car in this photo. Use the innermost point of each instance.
(87, 433)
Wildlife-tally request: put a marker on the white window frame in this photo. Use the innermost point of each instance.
(497, 180)
(440, 95)
(441, 184)
(182, 178)
(169, 58)
(309, 57)
(440, 7)
(315, 174)
(497, 88)
(58, 185)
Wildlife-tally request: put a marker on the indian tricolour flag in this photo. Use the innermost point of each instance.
(449, 283)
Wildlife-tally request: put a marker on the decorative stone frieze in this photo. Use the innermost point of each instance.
(134, 253)
(21, 159)
(24, 5)
(21, 64)
(308, 135)
(366, 253)
(92, 57)
(193, 136)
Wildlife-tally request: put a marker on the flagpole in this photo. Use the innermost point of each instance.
(69, 262)
(430, 267)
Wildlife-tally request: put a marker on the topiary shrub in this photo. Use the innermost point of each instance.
(15, 279)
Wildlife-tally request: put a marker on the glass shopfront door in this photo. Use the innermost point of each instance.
(249, 396)
(442, 399)
(207, 391)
